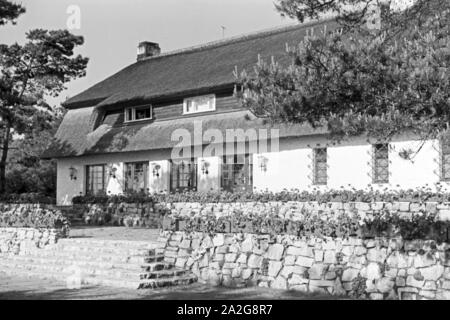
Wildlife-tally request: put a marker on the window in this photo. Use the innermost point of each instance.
(199, 104)
(380, 163)
(138, 113)
(320, 166)
(445, 159)
(136, 176)
(237, 173)
(95, 179)
(183, 175)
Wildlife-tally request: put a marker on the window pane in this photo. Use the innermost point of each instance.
(237, 173)
(320, 166)
(445, 158)
(136, 176)
(129, 114)
(188, 105)
(200, 104)
(95, 180)
(143, 113)
(381, 163)
(184, 175)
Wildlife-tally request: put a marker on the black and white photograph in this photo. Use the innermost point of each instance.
(237, 153)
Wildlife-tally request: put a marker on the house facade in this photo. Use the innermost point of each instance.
(171, 122)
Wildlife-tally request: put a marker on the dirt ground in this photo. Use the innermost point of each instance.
(18, 288)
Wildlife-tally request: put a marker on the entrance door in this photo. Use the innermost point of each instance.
(237, 173)
(183, 175)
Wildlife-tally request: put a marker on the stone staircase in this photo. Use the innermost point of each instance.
(128, 264)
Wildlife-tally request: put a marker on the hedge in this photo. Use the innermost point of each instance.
(27, 198)
(421, 226)
(369, 195)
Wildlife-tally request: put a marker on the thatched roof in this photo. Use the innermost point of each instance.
(177, 74)
(191, 70)
(76, 140)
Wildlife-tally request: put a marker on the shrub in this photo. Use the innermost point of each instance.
(27, 198)
(35, 218)
(419, 226)
(342, 195)
(369, 195)
(105, 199)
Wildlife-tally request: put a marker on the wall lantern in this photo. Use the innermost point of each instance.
(263, 163)
(112, 172)
(73, 173)
(156, 168)
(204, 167)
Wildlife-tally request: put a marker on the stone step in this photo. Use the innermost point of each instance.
(141, 267)
(129, 251)
(143, 284)
(66, 269)
(116, 263)
(179, 280)
(89, 242)
(169, 282)
(9, 270)
(89, 256)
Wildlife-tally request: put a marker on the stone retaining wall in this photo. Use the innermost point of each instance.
(23, 240)
(294, 210)
(375, 269)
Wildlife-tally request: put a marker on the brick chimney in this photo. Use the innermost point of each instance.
(147, 49)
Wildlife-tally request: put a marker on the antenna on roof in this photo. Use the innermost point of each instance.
(223, 31)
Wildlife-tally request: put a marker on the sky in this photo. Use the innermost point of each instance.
(113, 28)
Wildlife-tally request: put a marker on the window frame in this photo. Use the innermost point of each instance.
(133, 112)
(209, 96)
(239, 164)
(88, 190)
(146, 174)
(318, 180)
(442, 162)
(175, 174)
(375, 165)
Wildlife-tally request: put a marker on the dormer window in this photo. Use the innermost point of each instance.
(199, 104)
(138, 113)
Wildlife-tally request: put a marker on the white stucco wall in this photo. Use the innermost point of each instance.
(67, 188)
(423, 169)
(349, 166)
(285, 170)
(210, 181)
(159, 183)
(115, 183)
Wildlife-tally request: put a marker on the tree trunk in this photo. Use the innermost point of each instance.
(5, 149)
